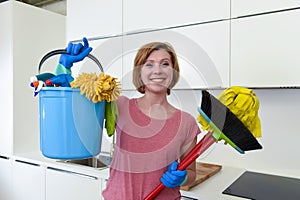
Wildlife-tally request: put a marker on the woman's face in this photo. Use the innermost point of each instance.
(157, 72)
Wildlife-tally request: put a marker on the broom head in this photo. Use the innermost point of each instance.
(228, 123)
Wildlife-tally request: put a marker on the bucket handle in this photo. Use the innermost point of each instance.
(62, 51)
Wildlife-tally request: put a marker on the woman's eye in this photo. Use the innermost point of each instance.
(148, 65)
(166, 64)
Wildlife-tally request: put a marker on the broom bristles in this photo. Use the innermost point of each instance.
(228, 123)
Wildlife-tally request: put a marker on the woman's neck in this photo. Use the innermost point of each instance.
(155, 106)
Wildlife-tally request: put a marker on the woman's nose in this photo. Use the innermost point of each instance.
(157, 68)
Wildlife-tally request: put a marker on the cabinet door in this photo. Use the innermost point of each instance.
(28, 181)
(6, 105)
(93, 19)
(141, 14)
(5, 178)
(202, 50)
(108, 52)
(250, 7)
(64, 184)
(265, 50)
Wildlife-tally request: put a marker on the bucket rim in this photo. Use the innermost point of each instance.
(60, 89)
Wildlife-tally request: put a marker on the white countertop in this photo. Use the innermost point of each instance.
(38, 158)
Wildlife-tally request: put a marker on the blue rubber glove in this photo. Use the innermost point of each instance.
(174, 178)
(75, 53)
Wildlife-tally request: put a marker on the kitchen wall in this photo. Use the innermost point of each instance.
(231, 54)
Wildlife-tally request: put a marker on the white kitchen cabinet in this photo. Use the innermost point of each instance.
(202, 50)
(28, 180)
(27, 33)
(5, 178)
(68, 184)
(265, 50)
(142, 15)
(200, 38)
(251, 7)
(94, 18)
(109, 54)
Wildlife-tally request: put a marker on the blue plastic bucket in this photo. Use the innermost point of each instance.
(70, 125)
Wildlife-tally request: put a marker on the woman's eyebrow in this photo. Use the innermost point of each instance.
(164, 59)
(168, 59)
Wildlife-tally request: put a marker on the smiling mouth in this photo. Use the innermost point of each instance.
(157, 80)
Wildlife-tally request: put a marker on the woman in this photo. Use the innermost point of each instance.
(151, 134)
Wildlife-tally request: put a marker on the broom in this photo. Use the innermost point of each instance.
(233, 132)
(219, 115)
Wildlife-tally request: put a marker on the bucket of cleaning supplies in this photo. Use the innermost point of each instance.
(70, 124)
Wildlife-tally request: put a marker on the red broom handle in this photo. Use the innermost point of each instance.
(197, 150)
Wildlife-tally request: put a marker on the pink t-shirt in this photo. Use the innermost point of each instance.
(144, 149)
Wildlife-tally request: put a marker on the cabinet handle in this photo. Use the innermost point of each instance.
(27, 163)
(73, 173)
(4, 157)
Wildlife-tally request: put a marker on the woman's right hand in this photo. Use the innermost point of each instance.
(174, 178)
(75, 53)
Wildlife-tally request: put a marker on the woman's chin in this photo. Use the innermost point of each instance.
(157, 89)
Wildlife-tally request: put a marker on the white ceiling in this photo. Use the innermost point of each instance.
(58, 6)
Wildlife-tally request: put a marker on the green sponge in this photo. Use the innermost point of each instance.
(111, 116)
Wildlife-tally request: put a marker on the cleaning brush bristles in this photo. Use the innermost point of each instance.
(228, 123)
